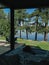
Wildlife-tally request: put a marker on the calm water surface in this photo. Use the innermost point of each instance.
(31, 36)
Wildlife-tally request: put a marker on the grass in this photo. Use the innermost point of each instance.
(42, 44)
(2, 38)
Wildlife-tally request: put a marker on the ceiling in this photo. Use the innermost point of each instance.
(16, 4)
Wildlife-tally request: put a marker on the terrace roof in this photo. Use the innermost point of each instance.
(25, 3)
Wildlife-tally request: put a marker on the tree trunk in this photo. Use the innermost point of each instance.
(46, 23)
(36, 24)
(26, 34)
(23, 23)
(20, 33)
(45, 33)
(36, 35)
(45, 36)
(20, 26)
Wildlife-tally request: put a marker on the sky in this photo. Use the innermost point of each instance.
(6, 10)
(28, 10)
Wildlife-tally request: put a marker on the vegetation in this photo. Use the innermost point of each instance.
(45, 18)
(20, 16)
(33, 14)
(41, 14)
(2, 38)
(42, 44)
(40, 17)
(41, 25)
(4, 24)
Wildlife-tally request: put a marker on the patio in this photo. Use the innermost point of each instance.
(4, 47)
(19, 57)
(16, 55)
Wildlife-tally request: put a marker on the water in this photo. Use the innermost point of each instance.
(31, 36)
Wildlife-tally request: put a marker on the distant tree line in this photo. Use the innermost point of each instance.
(39, 15)
(41, 21)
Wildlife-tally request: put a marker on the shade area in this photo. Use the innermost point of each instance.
(25, 3)
(2, 6)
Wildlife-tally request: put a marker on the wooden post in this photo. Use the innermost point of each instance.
(12, 42)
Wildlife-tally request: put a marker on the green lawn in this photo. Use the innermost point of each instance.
(42, 44)
(2, 38)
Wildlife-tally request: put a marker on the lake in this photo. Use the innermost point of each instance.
(31, 36)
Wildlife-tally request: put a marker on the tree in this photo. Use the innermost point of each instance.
(20, 16)
(36, 14)
(4, 24)
(45, 18)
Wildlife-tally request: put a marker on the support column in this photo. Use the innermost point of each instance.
(12, 42)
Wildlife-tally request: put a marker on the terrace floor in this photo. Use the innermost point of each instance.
(37, 57)
(4, 46)
(25, 58)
